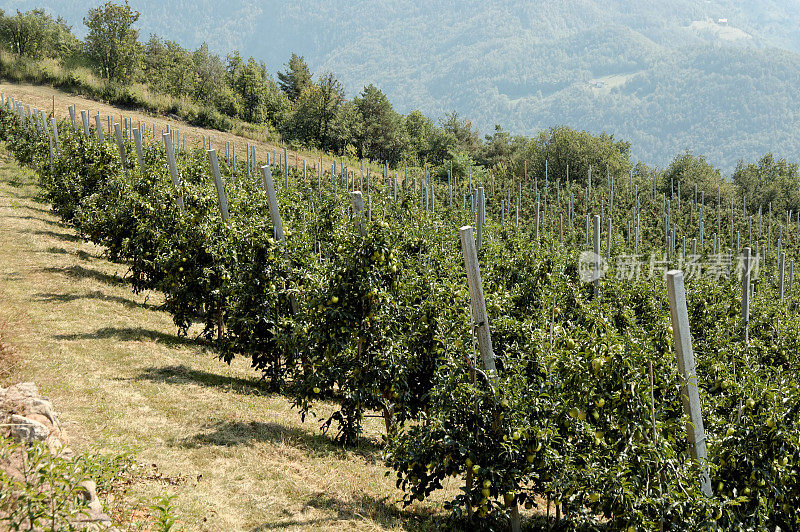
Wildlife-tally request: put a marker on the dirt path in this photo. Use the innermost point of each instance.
(239, 457)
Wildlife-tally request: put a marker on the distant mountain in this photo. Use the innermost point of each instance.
(718, 77)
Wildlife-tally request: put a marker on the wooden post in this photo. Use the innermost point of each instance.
(690, 393)
(274, 212)
(357, 203)
(173, 169)
(478, 303)
(121, 147)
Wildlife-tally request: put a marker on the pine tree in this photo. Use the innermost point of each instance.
(295, 78)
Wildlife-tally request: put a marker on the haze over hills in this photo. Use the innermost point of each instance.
(720, 78)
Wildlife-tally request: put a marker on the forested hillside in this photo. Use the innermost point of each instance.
(718, 77)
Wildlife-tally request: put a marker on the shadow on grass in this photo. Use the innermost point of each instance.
(36, 196)
(56, 250)
(38, 219)
(132, 334)
(380, 512)
(80, 272)
(54, 234)
(386, 514)
(241, 432)
(234, 433)
(97, 295)
(181, 374)
(42, 210)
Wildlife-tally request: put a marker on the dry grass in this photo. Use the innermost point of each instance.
(237, 457)
(9, 361)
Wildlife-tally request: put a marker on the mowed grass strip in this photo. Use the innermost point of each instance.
(236, 457)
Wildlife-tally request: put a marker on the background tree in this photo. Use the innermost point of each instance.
(562, 146)
(691, 170)
(420, 131)
(260, 98)
(315, 111)
(331, 96)
(295, 78)
(380, 139)
(35, 34)
(497, 149)
(210, 74)
(112, 41)
(466, 136)
(769, 181)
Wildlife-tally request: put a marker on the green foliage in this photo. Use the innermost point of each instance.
(372, 315)
(296, 78)
(315, 112)
(45, 494)
(165, 513)
(694, 171)
(36, 35)
(112, 42)
(170, 68)
(259, 97)
(769, 182)
(380, 134)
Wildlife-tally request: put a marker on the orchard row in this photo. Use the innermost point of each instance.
(367, 305)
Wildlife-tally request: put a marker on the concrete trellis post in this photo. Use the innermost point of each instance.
(173, 168)
(478, 303)
(286, 167)
(99, 127)
(690, 394)
(121, 147)
(52, 155)
(357, 204)
(596, 251)
(746, 268)
(72, 117)
(481, 217)
(137, 140)
(220, 186)
(274, 212)
(55, 135)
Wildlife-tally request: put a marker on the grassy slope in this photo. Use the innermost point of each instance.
(41, 97)
(119, 376)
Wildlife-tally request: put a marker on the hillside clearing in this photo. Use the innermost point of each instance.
(237, 457)
(41, 97)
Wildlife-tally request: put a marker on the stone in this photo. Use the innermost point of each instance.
(27, 389)
(90, 495)
(26, 429)
(33, 405)
(93, 518)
